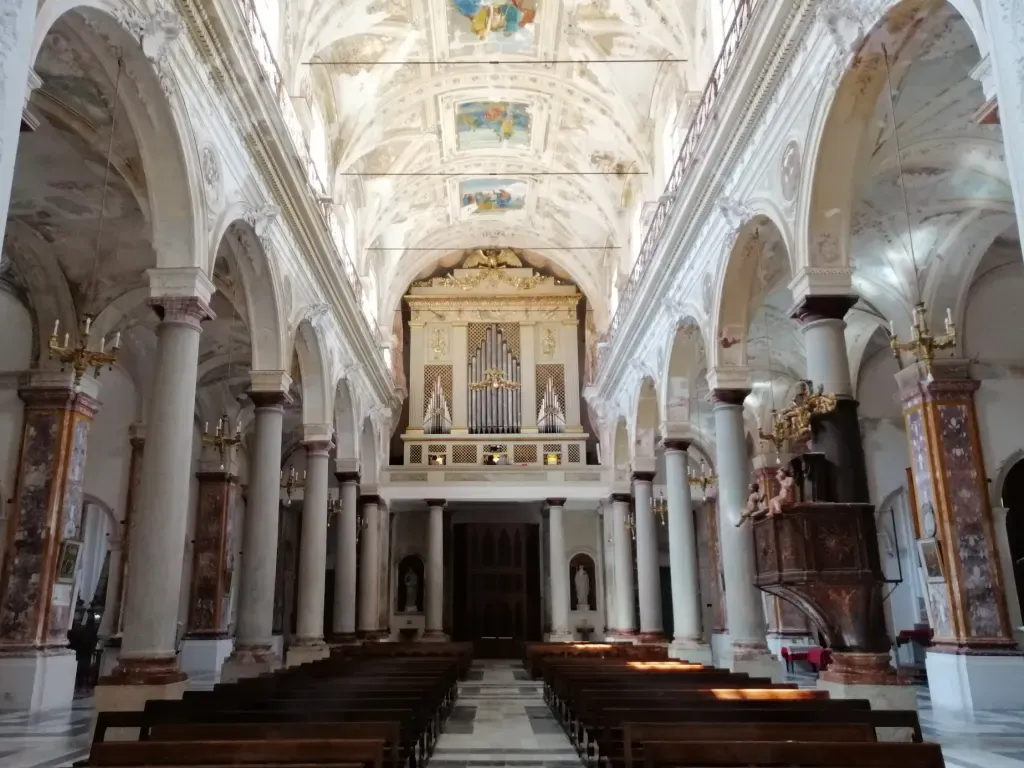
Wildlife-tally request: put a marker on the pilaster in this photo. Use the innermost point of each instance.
(460, 377)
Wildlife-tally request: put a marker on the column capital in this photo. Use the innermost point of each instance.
(53, 399)
(137, 434)
(431, 503)
(821, 281)
(555, 502)
(369, 499)
(180, 283)
(949, 376)
(347, 477)
(622, 498)
(676, 444)
(643, 477)
(318, 447)
(45, 380)
(728, 377)
(312, 433)
(814, 307)
(724, 397)
(181, 310)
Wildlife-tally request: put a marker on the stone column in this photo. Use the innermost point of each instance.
(44, 534)
(17, 29)
(253, 654)
(682, 552)
(974, 662)
(147, 667)
(309, 642)
(837, 435)
(624, 625)
(744, 612)
(648, 571)
(1003, 79)
(385, 594)
(435, 572)
(558, 567)
(460, 377)
(369, 568)
(417, 404)
(208, 641)
(601, 567)
(346, 559)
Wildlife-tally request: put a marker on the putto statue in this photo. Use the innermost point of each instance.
(786, 494)
(755, 504)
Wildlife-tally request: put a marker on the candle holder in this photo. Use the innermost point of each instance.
(222, 439)
(703, 479)
(660, 507)
(80, 357)
(923, 344)
(291, 483)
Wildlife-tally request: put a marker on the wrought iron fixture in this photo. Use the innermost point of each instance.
(222, 440)
(494, 378)
(923, 342)
(79, 356)
(291, 484)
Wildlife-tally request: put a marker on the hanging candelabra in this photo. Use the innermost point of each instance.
(222, 440)
(631, 523)
(703, 478)
(923, 343)
(660, 508)
(79, 356)
(291, 483)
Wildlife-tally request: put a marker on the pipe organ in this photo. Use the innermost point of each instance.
(493, 366)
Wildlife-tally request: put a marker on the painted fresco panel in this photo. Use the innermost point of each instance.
(491, 196)
(492, 25)
(492, 124)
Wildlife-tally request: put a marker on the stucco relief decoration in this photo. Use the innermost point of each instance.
(966, 517)
(791, 167)
(261, 218)
(828, 251)
(211, 174)
(438, 343)
(706, 293)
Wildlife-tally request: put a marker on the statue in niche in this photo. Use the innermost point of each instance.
(411, 591)
(581, 571)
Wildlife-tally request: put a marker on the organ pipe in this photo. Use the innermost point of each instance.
(494, 378)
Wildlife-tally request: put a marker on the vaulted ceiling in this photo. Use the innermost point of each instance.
(460, 123)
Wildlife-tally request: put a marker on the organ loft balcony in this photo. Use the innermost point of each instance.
(494, 348)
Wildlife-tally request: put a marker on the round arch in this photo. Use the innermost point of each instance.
(645, 422)
(156, 113)
(317, 394)
(346, 435)
(368, 453)
(844, 117)
(683, 358)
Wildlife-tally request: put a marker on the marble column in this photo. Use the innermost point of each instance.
(648, 570)
(744, 611)
(369, 568)
(17, 29)
(44, 533)
(1004, 24)
(682, 553)
(148, 661)
(435, 572)
(624, 625)
(309, 641)
(836, 435)
(973, 662)
(208, 639)
(346, 559)
(558, 567)
(253, 654)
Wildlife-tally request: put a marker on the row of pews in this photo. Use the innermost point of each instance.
(626, 713)
(373, 706)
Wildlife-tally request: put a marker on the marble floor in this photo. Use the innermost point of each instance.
(500, 720)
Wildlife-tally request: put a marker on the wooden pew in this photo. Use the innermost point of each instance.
(365, 753)
(754, 754)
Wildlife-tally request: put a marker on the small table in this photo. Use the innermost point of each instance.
(791, 655)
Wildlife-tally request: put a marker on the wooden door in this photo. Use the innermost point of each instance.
(499, 589)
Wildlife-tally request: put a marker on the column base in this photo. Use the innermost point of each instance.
(343, 638)
(306, 651)
(968, 682)
(434, 636)
(248, 661)
(870, 676)
(755, 660)
(204, 656)
(691, 650)
(133, 682)
(110, 655)
(651, 638)
(38, 679)
(620, 636)
(560, 637)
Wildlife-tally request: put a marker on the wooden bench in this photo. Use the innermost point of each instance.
(754, 754)
(365, 753)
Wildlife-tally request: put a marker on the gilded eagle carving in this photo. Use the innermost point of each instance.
(491, 259)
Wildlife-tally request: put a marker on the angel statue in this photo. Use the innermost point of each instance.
(786, 494)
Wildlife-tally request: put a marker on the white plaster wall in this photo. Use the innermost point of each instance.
(583, 533)
(15, 355)
(881, 415)
(109, 452)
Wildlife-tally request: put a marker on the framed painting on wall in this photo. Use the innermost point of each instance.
(67, 561)
(931, 559)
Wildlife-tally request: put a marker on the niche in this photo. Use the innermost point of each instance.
(409, 589)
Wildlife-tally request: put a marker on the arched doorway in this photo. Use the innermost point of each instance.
(1013, 500)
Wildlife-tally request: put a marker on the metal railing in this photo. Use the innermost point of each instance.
(684, 163)
(268, 62)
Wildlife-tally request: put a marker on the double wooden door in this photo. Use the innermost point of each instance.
(497, 586)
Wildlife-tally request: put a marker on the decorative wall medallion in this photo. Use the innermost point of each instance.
(211, 174)
(705, 293)
(791, 169)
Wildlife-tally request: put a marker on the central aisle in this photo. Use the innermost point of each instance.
(501, 719)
